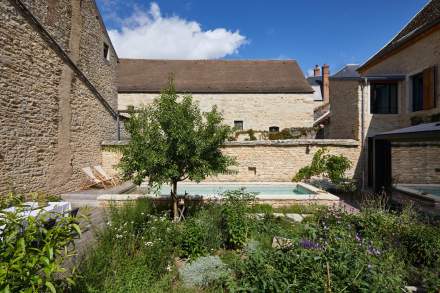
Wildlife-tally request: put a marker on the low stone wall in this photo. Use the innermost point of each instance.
(416, 163)
(259, 161)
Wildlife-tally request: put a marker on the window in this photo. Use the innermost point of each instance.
(384, 98)
(106, 52)
(274, 129)
(238, 124)
(417, 92)
(423, 90)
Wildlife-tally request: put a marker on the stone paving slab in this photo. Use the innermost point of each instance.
(289, 216)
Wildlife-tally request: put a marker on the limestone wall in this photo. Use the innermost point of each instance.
(257, 111)
(411, 60)
(51, 123)
(344, 109)
(416, 163)
(263, 160)
(378, 123)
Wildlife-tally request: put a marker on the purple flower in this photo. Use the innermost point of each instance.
(358, 237)
(308, 244)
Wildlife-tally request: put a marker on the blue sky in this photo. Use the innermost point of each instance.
(336, 32)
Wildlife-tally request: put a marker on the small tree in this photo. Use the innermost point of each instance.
(172, 141)
(332, 166)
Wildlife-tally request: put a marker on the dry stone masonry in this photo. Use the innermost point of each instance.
(51, 116)
(262, 161)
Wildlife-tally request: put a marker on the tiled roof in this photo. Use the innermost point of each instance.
(314, 80)
(212, 76)
(347, 72)
(428, 17)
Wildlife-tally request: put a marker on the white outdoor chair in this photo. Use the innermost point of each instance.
(104, 176)
(92, 180)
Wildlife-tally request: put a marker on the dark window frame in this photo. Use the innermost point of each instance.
(391, 91)
(106, 52)
(274, 129)
(238, 122)
(417, 92)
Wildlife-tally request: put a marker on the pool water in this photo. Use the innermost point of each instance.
(218, 189)
(426, 189)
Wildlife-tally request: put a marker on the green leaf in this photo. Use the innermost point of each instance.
(50, 252)
(77, 228)
(51, 287)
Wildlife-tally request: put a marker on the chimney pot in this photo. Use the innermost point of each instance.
(316, 71)
(325, 83)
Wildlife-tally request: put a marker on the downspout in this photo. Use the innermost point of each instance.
(363, 85)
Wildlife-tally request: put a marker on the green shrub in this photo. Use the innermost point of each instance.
(251, 134)
(321, 259)
(375, 250)
(401, 235)
(261, 208)
(13, 199)
(201, 234)
(332, 166)
(336, 166)
(301, 209)
(31, 254)
(283, 134)
(134, 252)
(235, 222)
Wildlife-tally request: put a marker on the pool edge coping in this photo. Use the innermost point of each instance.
(317, 194)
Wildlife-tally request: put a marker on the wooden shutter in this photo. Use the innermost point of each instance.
(429, 88)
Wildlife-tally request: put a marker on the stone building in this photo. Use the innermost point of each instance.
(397, 87)
(58, 95)
(258, 95)
(344, 103)
(320, 83)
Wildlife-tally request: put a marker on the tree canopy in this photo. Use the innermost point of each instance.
(172, 140)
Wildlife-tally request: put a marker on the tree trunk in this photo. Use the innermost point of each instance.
(174, 199)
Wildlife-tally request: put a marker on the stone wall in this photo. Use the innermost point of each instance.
(51, 122)
(378, 123)
(412, 60)
(344, 109)
(409, 61)
(416, 163)
(263, 160)
(257, 111)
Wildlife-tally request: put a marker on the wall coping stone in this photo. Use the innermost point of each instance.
(280, 143)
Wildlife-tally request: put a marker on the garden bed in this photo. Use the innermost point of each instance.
(224, 248)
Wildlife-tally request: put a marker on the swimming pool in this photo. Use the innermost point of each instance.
(263, 190)
(425, 197)
(428, 191)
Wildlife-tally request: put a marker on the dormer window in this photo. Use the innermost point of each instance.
(106, 52)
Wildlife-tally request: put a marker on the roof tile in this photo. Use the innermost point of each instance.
(212, 76)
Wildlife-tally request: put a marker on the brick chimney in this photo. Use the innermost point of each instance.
(325, 83)
(316, 71)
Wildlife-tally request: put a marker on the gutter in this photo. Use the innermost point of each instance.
(363, 85)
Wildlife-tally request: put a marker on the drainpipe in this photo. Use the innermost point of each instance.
(118, 125)
(363, 85)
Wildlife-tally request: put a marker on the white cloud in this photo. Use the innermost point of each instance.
(150, 35)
